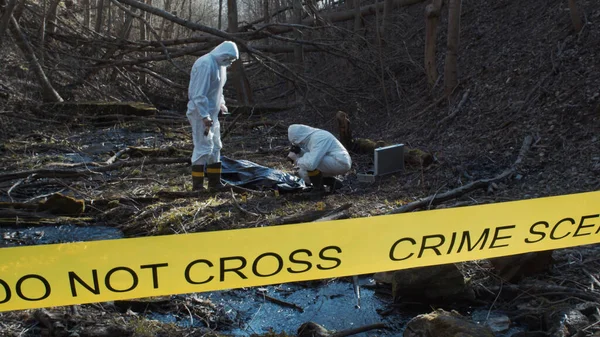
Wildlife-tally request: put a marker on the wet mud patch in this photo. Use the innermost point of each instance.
(14, 237)
(284, 308)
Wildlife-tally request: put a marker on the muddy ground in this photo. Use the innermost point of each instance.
(523, 72)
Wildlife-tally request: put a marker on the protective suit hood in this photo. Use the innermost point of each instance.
(297, 133)
(225, 53)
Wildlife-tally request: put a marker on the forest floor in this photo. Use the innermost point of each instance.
(523, 73)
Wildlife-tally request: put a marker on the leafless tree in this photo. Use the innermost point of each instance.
(48, 92)
(432, 17)
(5, 18)
(575, 16)
(451, 66)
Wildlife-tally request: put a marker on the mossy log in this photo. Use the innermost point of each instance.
(76, 111)
(57, 204)
(258, 109)
(169, 151)
(412, 157)
(18, 218)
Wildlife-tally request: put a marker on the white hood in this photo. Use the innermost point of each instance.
(224, 52)
(297, 133)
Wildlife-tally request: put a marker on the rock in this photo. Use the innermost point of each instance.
(570, 322)
(364, 145)
(587, 308)
(515, 267)
(384, 277)
(435, 282)
(442, 323)
(61, 204)
(417, 158)
(312, 329)
(499, 323)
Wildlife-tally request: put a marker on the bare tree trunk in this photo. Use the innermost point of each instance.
(349, 6)
(266, 16)
(240, 80)
(144, 37)
(311, 8)
(432, 18)
(123, 35)
(178, 27)
(377, 25)
(357, 17)
(161, 30)
(189, 18)
(51, 16)
(48, 92)
(169, 28)
(344, 15)
(388, 6)
(281, 17)
(149, 19)
(109, 18)
(298, 57)
(344, 129)
(42, 33)
(220, 15)
(18, 10)
(99, 15)
(575, 16)
(86, 13)
(142, 28)
(5, 18)
(379, 53)
(451, 67)
(232, 16)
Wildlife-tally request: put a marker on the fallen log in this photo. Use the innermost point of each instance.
(258, 109)
(75, 110)
(21, 219)
(69, 173)
(203, 193)
(279, 302)
(311, 329)
(309, 216)
(457, 192)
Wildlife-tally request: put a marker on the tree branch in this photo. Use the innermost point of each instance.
(482, 183)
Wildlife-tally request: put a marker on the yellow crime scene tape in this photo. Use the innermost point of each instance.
(97, 271)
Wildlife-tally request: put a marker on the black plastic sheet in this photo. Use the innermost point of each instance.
(254, 176)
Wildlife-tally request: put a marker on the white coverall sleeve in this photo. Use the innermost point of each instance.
(317, 149)
(198, 90)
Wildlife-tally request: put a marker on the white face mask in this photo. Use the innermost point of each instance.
(228, 61)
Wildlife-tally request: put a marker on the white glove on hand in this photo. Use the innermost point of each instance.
(293, 157)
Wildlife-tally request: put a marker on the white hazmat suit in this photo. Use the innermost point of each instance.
(205, 94)
(206, 100)
(320, 150)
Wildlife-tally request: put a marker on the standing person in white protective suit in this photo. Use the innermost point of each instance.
(318, 155)
(206, 100)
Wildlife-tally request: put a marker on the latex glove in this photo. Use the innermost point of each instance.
(224, 109)
(293, 157)
(207, 124)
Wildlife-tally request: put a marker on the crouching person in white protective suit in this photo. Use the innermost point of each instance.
(318, 155)
(206, 100)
